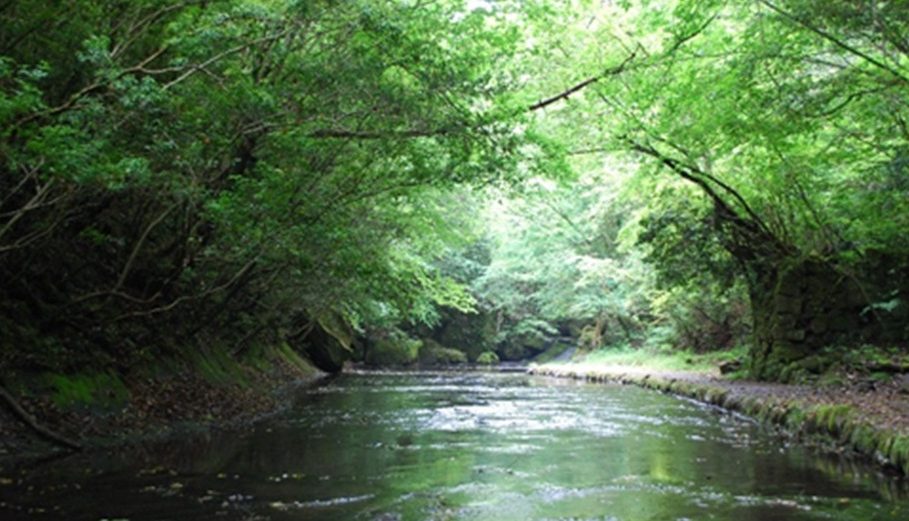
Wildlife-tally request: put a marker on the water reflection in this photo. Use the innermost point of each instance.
(466, 446)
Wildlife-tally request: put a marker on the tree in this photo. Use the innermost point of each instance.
(787, 118)
(186, 173)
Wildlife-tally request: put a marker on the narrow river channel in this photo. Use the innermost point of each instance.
(465, 446)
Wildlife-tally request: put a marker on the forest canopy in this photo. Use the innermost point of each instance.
(488, 177)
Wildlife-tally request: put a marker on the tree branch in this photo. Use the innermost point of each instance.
(338, 133)
(756, 234)
(618, 69)
(834, 40)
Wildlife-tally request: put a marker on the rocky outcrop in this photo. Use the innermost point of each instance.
(433, 354)
(391, 348)
(327, 341)
(472, 333)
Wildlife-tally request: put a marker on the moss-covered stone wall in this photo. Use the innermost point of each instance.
(801, 307)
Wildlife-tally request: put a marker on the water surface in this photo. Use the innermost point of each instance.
(465, 446)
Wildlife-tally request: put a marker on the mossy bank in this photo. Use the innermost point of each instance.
(843, 426)
(173, 396)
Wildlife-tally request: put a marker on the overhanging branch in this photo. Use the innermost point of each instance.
(755, 237)
(835, 41)
(612, 71)
(340, 133)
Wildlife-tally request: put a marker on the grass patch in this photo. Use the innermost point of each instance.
(658, 359)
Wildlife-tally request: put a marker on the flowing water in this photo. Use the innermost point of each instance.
(465, 446)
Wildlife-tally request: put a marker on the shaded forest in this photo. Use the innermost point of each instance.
(451, 182)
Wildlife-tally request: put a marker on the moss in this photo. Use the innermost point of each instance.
(732, 402)
(472, 333)
(832, 418)
(217, 367)
(263, 359)
(434, 353)
(395, 349)
(335, 325)
(328, 342)
(94, 389)
(717, 396)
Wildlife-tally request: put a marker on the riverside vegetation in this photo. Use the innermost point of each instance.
(200, 200)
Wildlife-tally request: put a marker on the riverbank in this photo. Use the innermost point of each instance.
(170, 399)
(852, 417)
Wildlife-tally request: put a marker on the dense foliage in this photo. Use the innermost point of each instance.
(656, 173)
(175, 173)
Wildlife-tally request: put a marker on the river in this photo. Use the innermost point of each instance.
(464, 446)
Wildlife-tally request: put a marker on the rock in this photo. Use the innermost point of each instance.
(788, 305)
(472, 333)
(730, 366)
(866, 385)
(903, 384)
(327, 343)
(432, 354)
(393, 348)
(818, 324)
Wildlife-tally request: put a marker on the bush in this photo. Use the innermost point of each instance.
(488, 358)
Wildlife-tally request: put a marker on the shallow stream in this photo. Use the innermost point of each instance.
(465, 446)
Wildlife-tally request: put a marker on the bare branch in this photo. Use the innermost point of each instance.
(185, 298)
(32, 204)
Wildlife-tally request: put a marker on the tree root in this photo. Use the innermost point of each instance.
(28, 420)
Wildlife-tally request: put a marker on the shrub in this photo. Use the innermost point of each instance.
(488, 358)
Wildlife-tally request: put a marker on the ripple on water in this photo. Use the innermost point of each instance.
(397, 447)
(320, 503)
